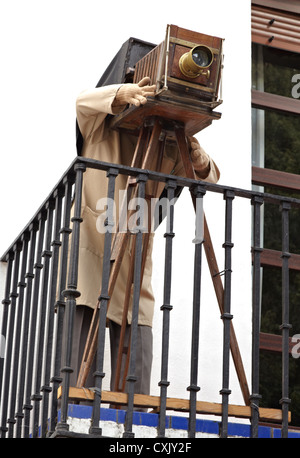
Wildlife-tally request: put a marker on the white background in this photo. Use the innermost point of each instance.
(50, 52)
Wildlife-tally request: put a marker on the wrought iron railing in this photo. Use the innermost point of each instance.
(33, 375)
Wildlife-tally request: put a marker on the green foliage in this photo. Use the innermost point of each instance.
(282, 142)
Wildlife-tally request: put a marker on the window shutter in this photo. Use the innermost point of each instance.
(275, 28)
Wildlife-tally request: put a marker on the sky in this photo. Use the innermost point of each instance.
(52, 50)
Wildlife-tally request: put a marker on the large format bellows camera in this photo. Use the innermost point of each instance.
(186, 69)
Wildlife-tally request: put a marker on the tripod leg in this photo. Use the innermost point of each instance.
(146, 238)
(122, 237)
(213, 267)
(136, 162)
(119, 247)
(88, 350)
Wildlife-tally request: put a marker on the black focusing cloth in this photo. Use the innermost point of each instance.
(126, 58)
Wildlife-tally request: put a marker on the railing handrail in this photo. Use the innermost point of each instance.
(32, 247)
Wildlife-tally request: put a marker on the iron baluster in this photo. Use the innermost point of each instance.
(18, 323)
(33, 320)
(49, 340)
(71, 294)
(256, 291)
(60, 304)
(193, 388)
(36, 396)
(226, 315)
(166, 307)
(285, 326)
(131, 377)
(10, 336)
(103, 302)
(33, 228)
(5, 302)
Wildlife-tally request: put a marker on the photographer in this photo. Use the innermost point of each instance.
(100, 142)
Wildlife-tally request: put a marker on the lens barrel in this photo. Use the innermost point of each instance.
(193, 63)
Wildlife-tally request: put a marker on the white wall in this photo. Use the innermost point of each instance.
(53, 50)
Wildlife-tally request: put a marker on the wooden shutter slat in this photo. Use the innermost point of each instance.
(268, 177)
(283, 32)
(266, 100)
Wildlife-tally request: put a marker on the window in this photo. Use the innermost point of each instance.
(276, 170)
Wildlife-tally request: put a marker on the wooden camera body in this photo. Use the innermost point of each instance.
(186, 69)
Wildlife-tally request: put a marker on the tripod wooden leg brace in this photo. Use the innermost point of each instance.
(148, 142)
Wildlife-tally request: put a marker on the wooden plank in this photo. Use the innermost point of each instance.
(272, 258)
(176, 404)
(273, 342)
(275, 28)
(284, 5)
(194, 118)
(268, 177)
(265, 100)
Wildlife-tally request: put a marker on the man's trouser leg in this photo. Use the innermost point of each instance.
(83, 317)
(143, 356)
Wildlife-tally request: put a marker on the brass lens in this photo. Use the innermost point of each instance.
(194, 62)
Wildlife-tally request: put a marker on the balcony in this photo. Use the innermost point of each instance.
(40, 296)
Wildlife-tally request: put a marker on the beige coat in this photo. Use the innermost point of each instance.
(104, 144)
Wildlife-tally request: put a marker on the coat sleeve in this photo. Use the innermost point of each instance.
(212, 176)
(92, 107)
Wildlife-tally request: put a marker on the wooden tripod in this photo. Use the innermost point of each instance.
(151, 141)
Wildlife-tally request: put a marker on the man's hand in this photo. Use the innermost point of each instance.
(135, 94)
(199, 157)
